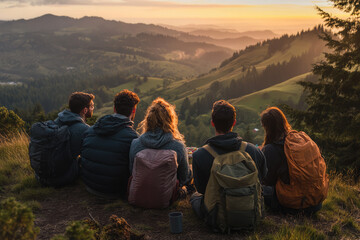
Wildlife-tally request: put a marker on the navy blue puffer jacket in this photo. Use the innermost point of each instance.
(105, 155)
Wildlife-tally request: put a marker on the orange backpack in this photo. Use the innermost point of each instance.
(309, 182)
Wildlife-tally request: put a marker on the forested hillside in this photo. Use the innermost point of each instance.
(43, 60)
(252, 79)
(52, 45)
(257, 67)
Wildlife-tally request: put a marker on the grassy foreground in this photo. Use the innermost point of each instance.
(338, 219)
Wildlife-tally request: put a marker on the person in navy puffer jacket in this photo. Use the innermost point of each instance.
(105, 149)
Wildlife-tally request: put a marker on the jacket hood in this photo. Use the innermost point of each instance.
(67, 117)
(111, 124)
(228, 142)
(155, 139)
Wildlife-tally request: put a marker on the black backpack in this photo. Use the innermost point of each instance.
(49, 149)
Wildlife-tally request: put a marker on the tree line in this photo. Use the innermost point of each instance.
(53, 92)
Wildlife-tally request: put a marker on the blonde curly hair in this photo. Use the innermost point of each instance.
(161, 114)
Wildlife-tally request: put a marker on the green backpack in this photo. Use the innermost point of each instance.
(233, 199)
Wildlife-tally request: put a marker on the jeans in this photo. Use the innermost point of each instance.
(196, 201)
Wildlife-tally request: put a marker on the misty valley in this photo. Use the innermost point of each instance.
(44, 59)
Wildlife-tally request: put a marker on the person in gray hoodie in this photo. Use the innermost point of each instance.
(81, 107)
(105, 149)
(159, 131)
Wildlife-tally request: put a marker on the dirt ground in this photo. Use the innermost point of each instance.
(75, 203)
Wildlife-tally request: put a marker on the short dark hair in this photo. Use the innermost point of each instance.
(125, 101)
(79, 100)
(223, 116)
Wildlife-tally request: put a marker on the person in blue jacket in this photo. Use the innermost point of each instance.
(105, 149)
(81, 107)
(160, 131)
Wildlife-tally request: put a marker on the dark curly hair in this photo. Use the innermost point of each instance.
(125, 101)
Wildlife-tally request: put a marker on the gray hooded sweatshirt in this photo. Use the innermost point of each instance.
(160, 140)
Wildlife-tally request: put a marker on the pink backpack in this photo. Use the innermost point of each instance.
(153, 183)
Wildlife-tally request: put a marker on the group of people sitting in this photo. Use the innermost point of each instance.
(113, 160)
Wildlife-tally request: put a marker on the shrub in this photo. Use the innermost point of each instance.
(16, 221)
(9, 121)
(77, 230)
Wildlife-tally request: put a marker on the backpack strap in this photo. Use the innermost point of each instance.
(214, 154)
(210, 150)
(243, 146)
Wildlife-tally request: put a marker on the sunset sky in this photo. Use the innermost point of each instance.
(280, 16)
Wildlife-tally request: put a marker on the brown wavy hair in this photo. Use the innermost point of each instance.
(161, 114)
(275, 124)
(125, 101)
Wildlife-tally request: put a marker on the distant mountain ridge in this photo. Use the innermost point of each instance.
(64, 24)
(54, 45)
(49, 22)
(218, 32)
(221, 34)
(223, 37)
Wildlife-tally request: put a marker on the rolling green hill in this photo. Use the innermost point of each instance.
(286, 92)
(257, 57)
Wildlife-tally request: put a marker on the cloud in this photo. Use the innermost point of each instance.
(164, 3)
(85, 2)
(125, 3)
(48, 2)
(184, 4)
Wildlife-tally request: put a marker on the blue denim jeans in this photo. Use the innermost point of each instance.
(196, 201)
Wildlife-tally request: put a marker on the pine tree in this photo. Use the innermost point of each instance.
(333, 114)
(185, 106)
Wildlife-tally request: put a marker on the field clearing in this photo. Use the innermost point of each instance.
(288, 91)
(152, 82)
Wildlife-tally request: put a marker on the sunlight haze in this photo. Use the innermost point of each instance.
(242, 15)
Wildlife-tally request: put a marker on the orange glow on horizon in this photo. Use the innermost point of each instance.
(283, 18)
